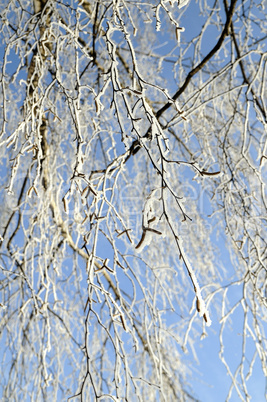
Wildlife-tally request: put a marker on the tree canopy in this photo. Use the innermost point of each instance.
(133, 156)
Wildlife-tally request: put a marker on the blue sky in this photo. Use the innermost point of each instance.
(210, 381)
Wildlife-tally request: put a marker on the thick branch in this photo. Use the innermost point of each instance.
(199, 67)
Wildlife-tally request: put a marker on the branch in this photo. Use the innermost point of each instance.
(243, 71)
(199, 67)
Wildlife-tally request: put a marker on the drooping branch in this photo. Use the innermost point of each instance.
(213, 51)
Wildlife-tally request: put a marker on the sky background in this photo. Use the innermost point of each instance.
(210, 381)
